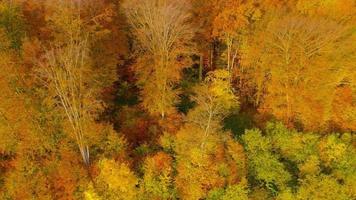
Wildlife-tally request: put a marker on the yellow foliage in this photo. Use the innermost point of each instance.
(214, 98)
(323, 188)
(157, 182)
(310, 166)
(337, 9)
(331, 150)
(116, 181)
(90, 194)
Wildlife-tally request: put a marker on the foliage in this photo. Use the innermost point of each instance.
(157, 182)
(116, 181)
(288, 56)
(266, 91)
(214, 99)
(12, 23)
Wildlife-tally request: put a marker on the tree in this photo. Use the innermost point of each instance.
(237, 191)
(336, 9)
(297, 162)
(64, 68)
(207, 158)
(11, 101)
(221, 163)
(323, 187)
(69, 76)
(163, 31)
(290, 56)
(214, 99)
(157, 182)
(230, 25)
(115, 181)
(264, 165)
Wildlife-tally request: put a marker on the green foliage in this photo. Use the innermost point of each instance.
(185, 103)
(320, 162)
(236, 192)
(216, 194)
(322, 187)
(264, 165)
(143, 150)
(125, 95)
(293, 145)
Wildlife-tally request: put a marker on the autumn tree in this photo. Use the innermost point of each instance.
(344, 108)
(10, 99)
(157, 182)
(60, 61)
(230, 24)
(204, 13)
(214, 98)
(290, 57)
(207, 157)
(71, 79)
(64, 68)
(17, 127)
(115, 181)
(220, 164)
(163, 33)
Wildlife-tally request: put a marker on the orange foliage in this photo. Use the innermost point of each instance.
(344, 108)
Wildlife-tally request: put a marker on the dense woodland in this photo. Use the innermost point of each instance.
(177, 99)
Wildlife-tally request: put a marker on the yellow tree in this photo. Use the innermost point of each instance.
(214, 98)
(207, 158)
(26, 140)
(67, 72)
(163, 31)
(231, 24)
(296, 68)
(219, 164)
(11, 102)
(115, 181)
(157, 182)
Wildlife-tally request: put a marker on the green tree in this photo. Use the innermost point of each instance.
(264, 165)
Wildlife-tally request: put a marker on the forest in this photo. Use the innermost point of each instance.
(177, 99)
